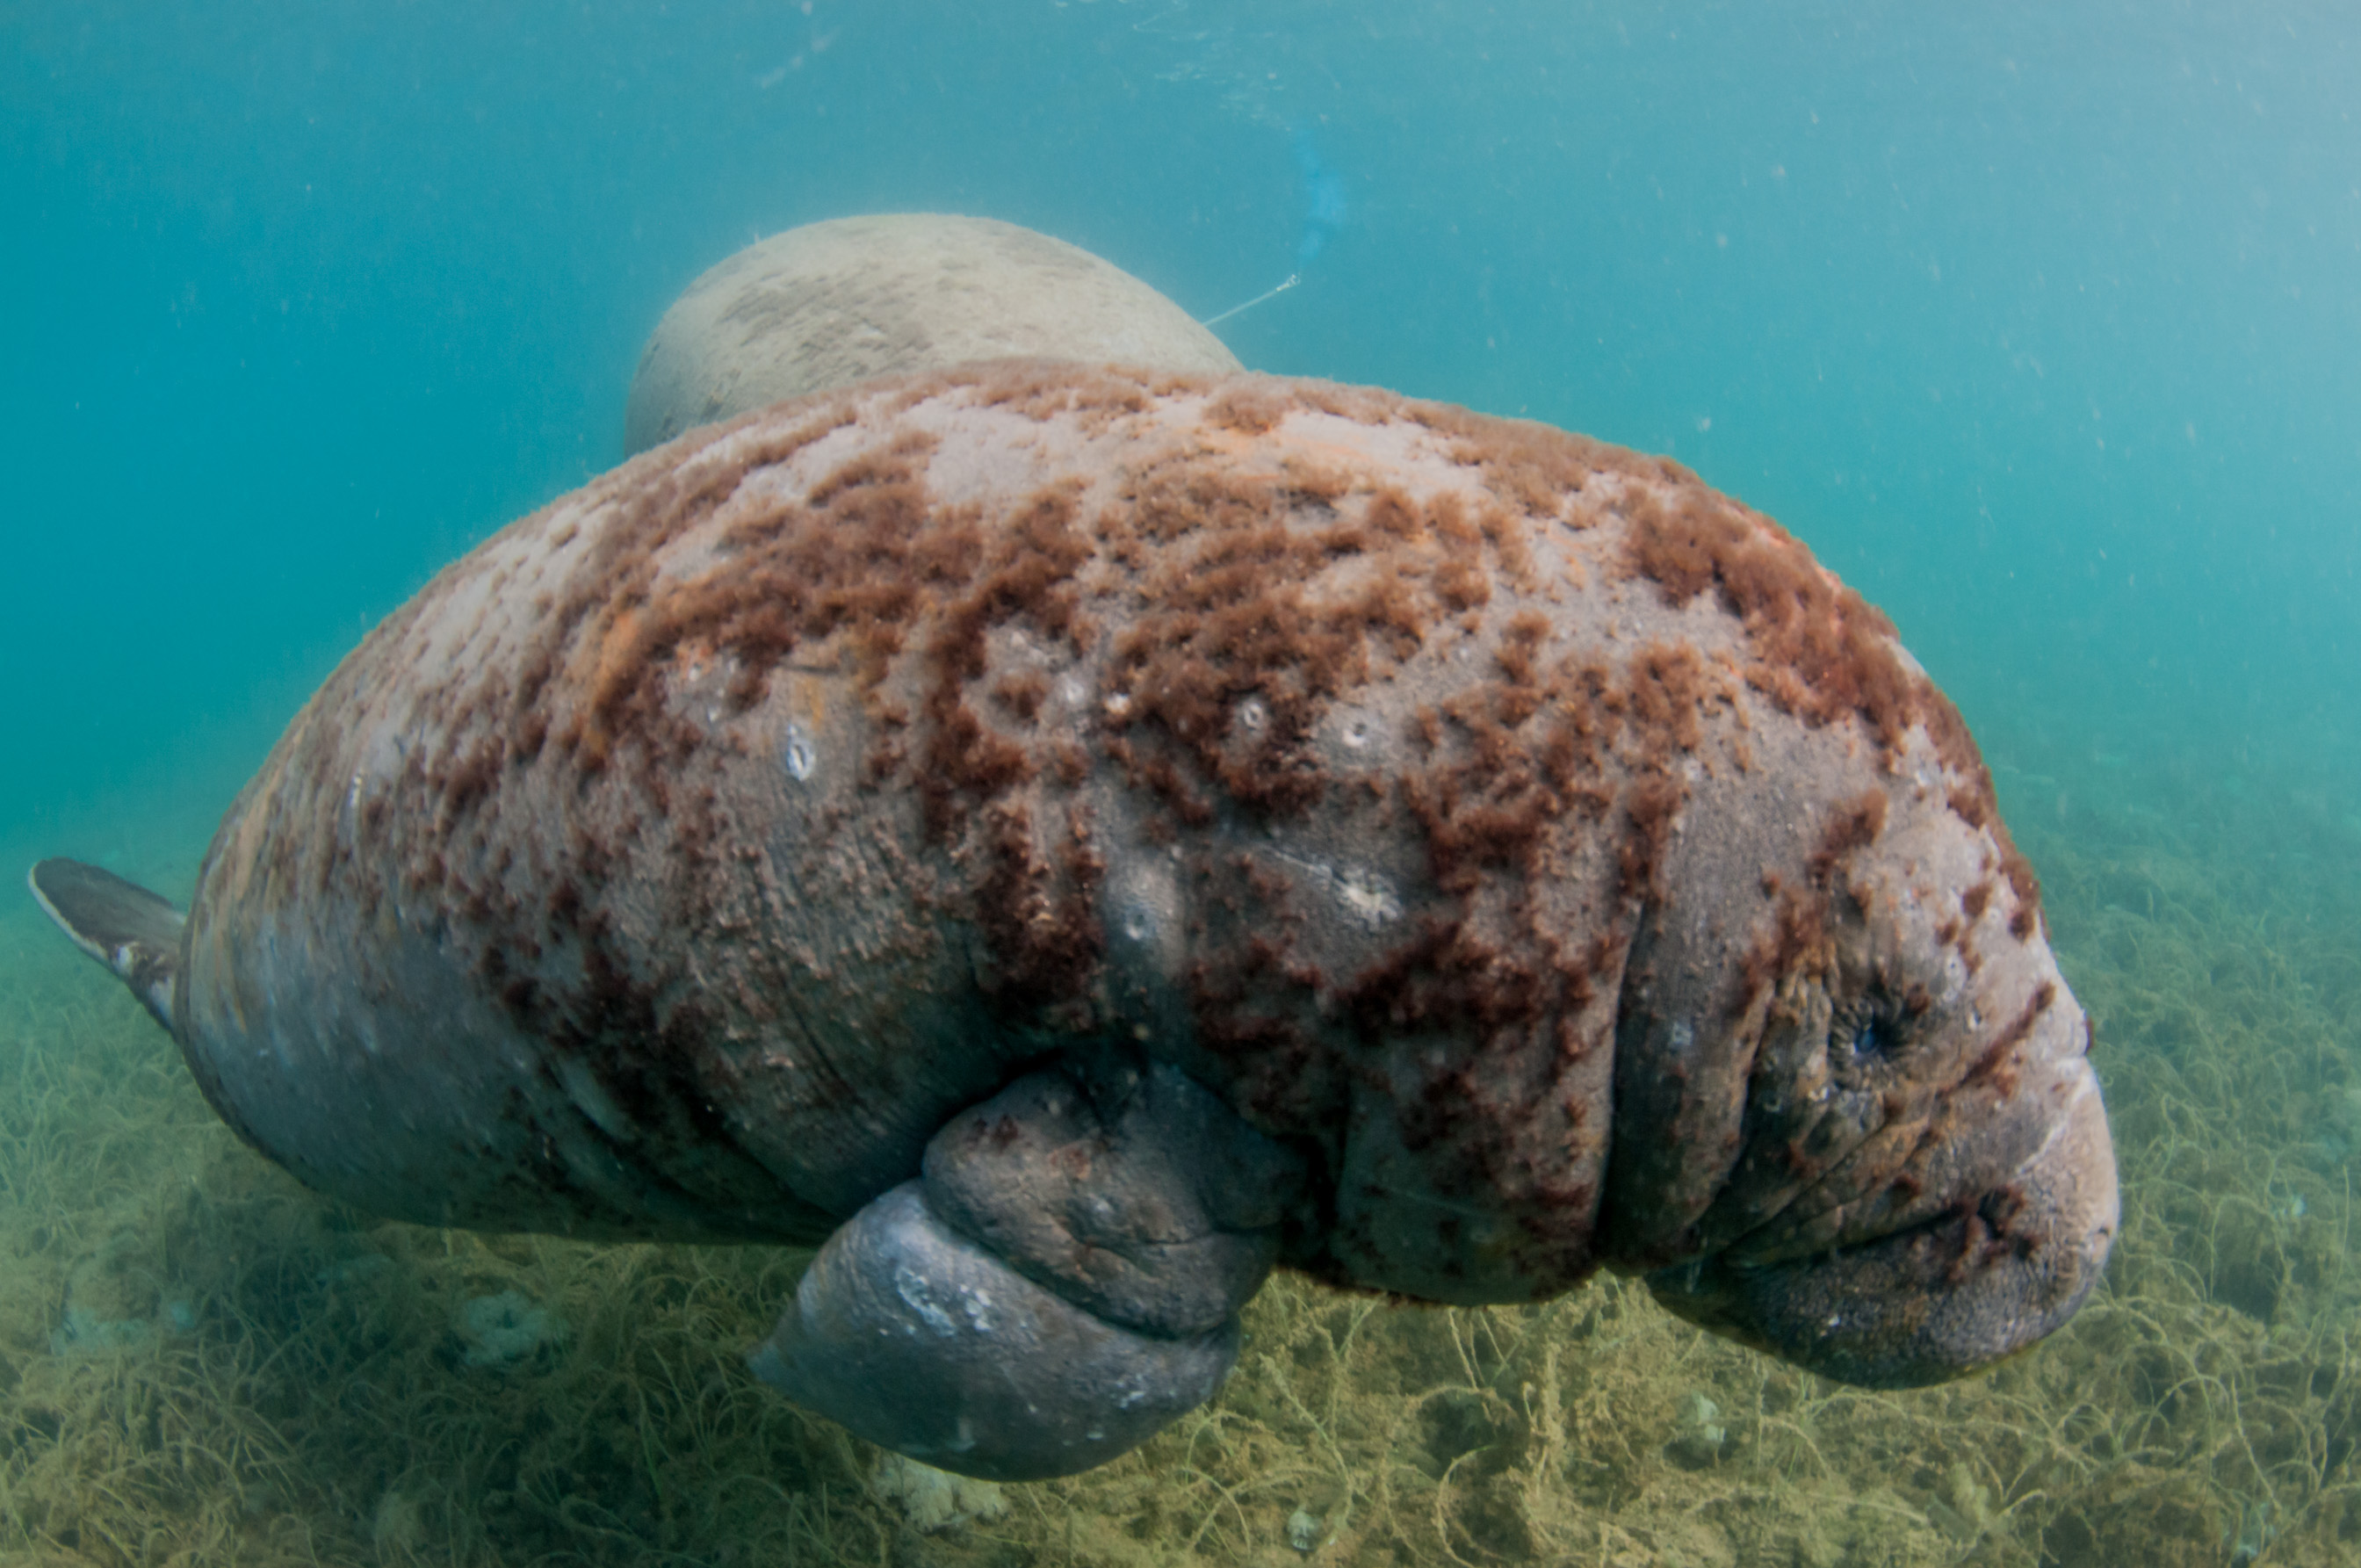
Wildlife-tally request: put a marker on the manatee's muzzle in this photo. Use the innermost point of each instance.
(1990, 1277)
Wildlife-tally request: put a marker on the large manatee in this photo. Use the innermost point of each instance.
(1074, 839)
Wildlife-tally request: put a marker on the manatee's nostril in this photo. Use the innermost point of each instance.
(1874, 1038)
(1868, 1035)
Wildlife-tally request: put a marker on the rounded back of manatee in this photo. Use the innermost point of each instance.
(850, 299)
(1075, 838)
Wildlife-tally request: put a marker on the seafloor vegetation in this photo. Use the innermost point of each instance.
(201, 1363)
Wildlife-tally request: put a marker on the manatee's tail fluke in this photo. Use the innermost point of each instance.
(120, 923)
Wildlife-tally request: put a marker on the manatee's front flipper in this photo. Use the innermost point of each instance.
(922, 1341)
(1063, 1281)
(120, 923)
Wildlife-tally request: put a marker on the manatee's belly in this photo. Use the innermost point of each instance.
(677, 863)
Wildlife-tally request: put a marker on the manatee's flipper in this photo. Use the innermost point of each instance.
(922, 1341)
(122, 925)
(1146, 1200)
(1063, 1282)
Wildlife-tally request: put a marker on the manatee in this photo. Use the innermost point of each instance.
(1071, 841)
(848, 299)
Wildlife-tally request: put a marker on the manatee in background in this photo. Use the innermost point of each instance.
(850, 299)
(1073, 840)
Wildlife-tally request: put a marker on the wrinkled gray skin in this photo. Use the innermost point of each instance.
(1073, 841)
(1157, 1216)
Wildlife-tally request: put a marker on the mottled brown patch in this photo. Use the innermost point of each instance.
(1821, 652)
(1854, 826)
(1250, 407)
(1258, 606)
(1654, 803)
(1993, 1066)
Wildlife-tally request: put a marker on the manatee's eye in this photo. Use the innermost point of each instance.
(1874, 1037)
(1873, 1031)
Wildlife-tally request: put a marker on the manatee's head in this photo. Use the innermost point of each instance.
(1854, 1122)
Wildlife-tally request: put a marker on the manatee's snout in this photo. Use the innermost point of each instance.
(1994, 1274)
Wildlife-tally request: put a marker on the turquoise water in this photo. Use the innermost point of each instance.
(2041, 323)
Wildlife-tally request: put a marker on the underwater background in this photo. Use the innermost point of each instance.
(2040, 323)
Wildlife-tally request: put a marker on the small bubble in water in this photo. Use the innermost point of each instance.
(1356, 733)
(1138, 922)
(800, 755)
